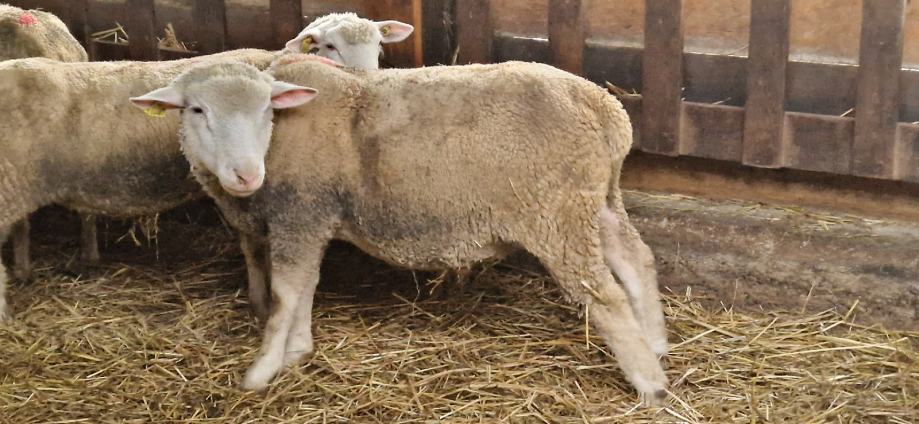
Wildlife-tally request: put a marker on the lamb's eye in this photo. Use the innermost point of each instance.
(197, 109)
(330, 46)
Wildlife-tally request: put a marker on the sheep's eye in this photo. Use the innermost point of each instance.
(330, 46)
(197, 109)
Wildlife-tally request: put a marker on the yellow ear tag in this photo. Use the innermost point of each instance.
(155, 111)
(307, 45)
(385, 31)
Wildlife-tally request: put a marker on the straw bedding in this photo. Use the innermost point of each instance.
(163, 335)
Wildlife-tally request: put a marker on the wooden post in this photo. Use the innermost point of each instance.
(764, 116)
(140, 24)
(878, 97)
(437, 40)
(662, 77)
(408, 52)
(286, 20)
(210, 18)
(474, 31)
(78, 17)
(566, 35)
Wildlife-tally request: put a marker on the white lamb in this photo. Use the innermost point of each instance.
(429, 168)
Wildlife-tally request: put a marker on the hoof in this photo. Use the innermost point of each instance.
(296, 357)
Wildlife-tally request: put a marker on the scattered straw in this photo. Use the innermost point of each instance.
(170, 40)
(115, 35)
(141, 340)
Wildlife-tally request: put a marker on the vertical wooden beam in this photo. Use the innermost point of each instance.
(662, 77)
(210, 18)
(474, 31)
(877, 101)
(78, 20)
(408, 52)
(140, 24)
(566, 35)
(437, 32)
(764, 115)
(286, 20)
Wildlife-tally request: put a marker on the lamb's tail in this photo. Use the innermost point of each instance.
(618, 129)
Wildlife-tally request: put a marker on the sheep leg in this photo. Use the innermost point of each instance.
(257, 263)
(289, 280)
(4, 313)
(300, 342)
(632, 261)
(89, 247)
(22, 262)
(610, 314)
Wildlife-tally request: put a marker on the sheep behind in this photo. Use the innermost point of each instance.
(33, 33)
(68, 140)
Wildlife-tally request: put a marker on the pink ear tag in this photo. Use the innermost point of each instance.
(27, 19)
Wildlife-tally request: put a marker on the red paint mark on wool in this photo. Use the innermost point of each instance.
(27, 19)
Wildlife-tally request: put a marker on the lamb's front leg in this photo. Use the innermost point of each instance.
(291, 277)
(257, 266)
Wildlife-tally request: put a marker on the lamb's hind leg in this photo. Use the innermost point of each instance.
(4, 313)
(632, 261)
(586, 277)
(22, 261)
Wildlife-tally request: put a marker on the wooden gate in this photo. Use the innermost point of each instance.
(759, 132)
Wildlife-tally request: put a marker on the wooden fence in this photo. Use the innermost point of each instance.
(209, 29)
(778, 113)
(760, 131)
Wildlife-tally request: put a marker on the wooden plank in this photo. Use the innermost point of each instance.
(286, 21)
(662, 77)
(78, 20)
(210, 25)
(437, 32)
(474, 31)
(712, 131)
(140, 24)
(877, 98)
(409, 52)
(764, 117)
(819, 143)
(566, 35)
(907, 152)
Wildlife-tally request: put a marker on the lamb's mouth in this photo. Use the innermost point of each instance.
(238, 193)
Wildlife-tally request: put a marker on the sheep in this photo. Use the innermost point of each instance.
(429, 168)
(152, 196)
(33, 33)
(67, 141)
(348, 39)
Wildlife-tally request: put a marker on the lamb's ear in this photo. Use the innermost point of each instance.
(285, 95)
(394, 31)
(304, 42)
(163, 98)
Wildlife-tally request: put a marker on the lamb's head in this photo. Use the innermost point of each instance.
(226, 119)
(348, 39)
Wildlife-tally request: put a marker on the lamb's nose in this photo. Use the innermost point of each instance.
(246, 178)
